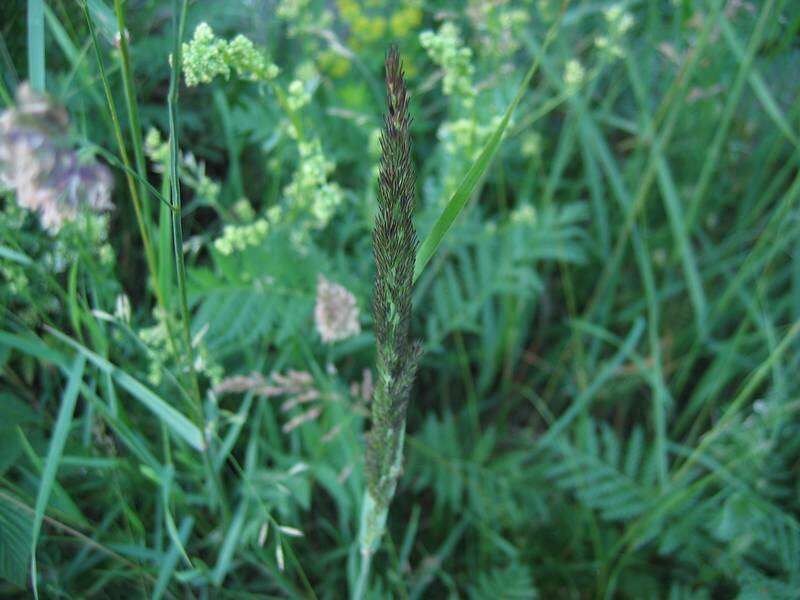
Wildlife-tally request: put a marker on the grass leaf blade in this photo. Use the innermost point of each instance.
(36, 44)
(173, 419)
(474, 174)
(54, 452)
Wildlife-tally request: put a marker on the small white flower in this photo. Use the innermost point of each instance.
(290, 531)
(525, 214)
(122, 308)
(574, 74)
(279, 556)
(262, 533)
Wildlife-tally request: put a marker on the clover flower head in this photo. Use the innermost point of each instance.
(39, 164)
(335, 312)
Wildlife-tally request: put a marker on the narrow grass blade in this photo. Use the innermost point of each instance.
(760, 88)
(56, 449)
(660, 393)
(166, 495)
(132, 106)
(173, 419)
(677, 223)
(14, 256)
(474, 174)
(36, 44)
(171, 559)
(229, 545)
(584, 399)
(128, 171)
(714, 154)
(34, 347)
(104, 19)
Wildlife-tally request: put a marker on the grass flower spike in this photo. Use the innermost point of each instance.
(395, 247)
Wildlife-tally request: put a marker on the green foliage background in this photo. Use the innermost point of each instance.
(607, 401)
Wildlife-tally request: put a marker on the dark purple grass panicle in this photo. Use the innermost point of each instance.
(395, 245)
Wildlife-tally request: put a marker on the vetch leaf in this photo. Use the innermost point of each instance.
(15, 528)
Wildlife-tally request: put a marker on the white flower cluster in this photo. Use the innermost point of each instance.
(38, 163)
(574, 76)
(336, 312)
(619, 21)
(525, 214)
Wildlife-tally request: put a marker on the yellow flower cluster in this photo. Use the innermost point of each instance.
(574, 76)
(363, 28)
(405, 20)
(366, 29)
(466, 136)
(162, 355)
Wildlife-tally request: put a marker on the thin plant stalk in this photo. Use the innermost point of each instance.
(395, 249)
(179, 17)
(132, 107)
(149, 253)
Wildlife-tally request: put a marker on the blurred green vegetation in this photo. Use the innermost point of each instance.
(607, 402)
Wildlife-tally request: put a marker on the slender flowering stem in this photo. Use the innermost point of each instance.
(179, 21)
(395, 247)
